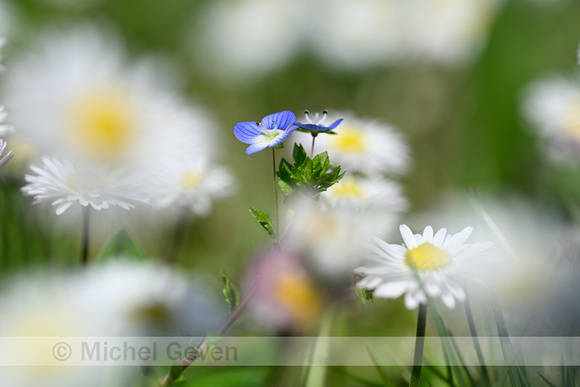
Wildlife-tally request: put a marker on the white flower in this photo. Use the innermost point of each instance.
(90, 105)
(130, 297)
(190, 182)
(361, 193)
(64, 184)
(248, 38)
(357, 34)
(365, 146)
(37, 306)
(332, 240)
(425, 265)
(552, 105)
(446, 32)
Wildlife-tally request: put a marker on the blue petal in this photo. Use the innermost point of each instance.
(246, 132)
(283, 120)
(255, 148)
(334, 124)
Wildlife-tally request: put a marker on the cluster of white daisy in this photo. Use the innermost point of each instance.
(118, 298)
(366, 202)
(109, 132)
(370, 33)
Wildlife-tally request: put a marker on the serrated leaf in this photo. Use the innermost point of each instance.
(122, 245)
(263, 218)
(231, 293)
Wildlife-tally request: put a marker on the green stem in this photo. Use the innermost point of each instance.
(275, 188)
(85, 236)
(314, 134)
(419, 345)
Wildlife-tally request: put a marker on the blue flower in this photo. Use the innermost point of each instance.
(273, 129)
(316, 125)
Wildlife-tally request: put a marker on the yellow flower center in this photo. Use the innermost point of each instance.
(348, 189)
(102, 124)
(427, 257)
(572, 118)
(299, 296)
(350, 140)
(190, 180)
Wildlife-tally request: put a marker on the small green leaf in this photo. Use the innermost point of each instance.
(364, 295)
(231, 292)
(121, 245)
(264, 219)
(299, 154)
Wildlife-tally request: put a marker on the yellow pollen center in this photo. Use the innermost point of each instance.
(348, 189)
(572, 118)
(350, 140)
(427, 257)
(102, 124)
(190, 180)
(299, 297)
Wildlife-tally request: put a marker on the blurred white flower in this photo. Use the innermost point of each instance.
(365, 146)
(4, 129)
(241, 39)
(90, 105)
(36, 306)
(332, 240)
(552, 106)
(357, 34)
(425, 265)
(140, 298)
(447, 32)
(189, 182)
(364, 193)
(64, 185)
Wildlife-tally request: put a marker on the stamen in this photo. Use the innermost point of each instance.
(307, 115)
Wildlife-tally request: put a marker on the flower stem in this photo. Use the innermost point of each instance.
(192, 356)
(314, 134)
(85, 236)
(275, 188)
(419, 345)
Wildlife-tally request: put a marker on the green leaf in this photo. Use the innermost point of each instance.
(263, 218)
(299, 154)
(231, 292)
(364, 295)
(122, 245)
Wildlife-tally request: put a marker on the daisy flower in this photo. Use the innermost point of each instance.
(368, 35)
(552, 106)
(190, 182)
(446, 32)
(131, 298)
(64, 185)
(7, 157)
(274, 129)
(232, 39)
(90, 104)
(361, 193)
(428, 265)
(35, 306)
(366, 146)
